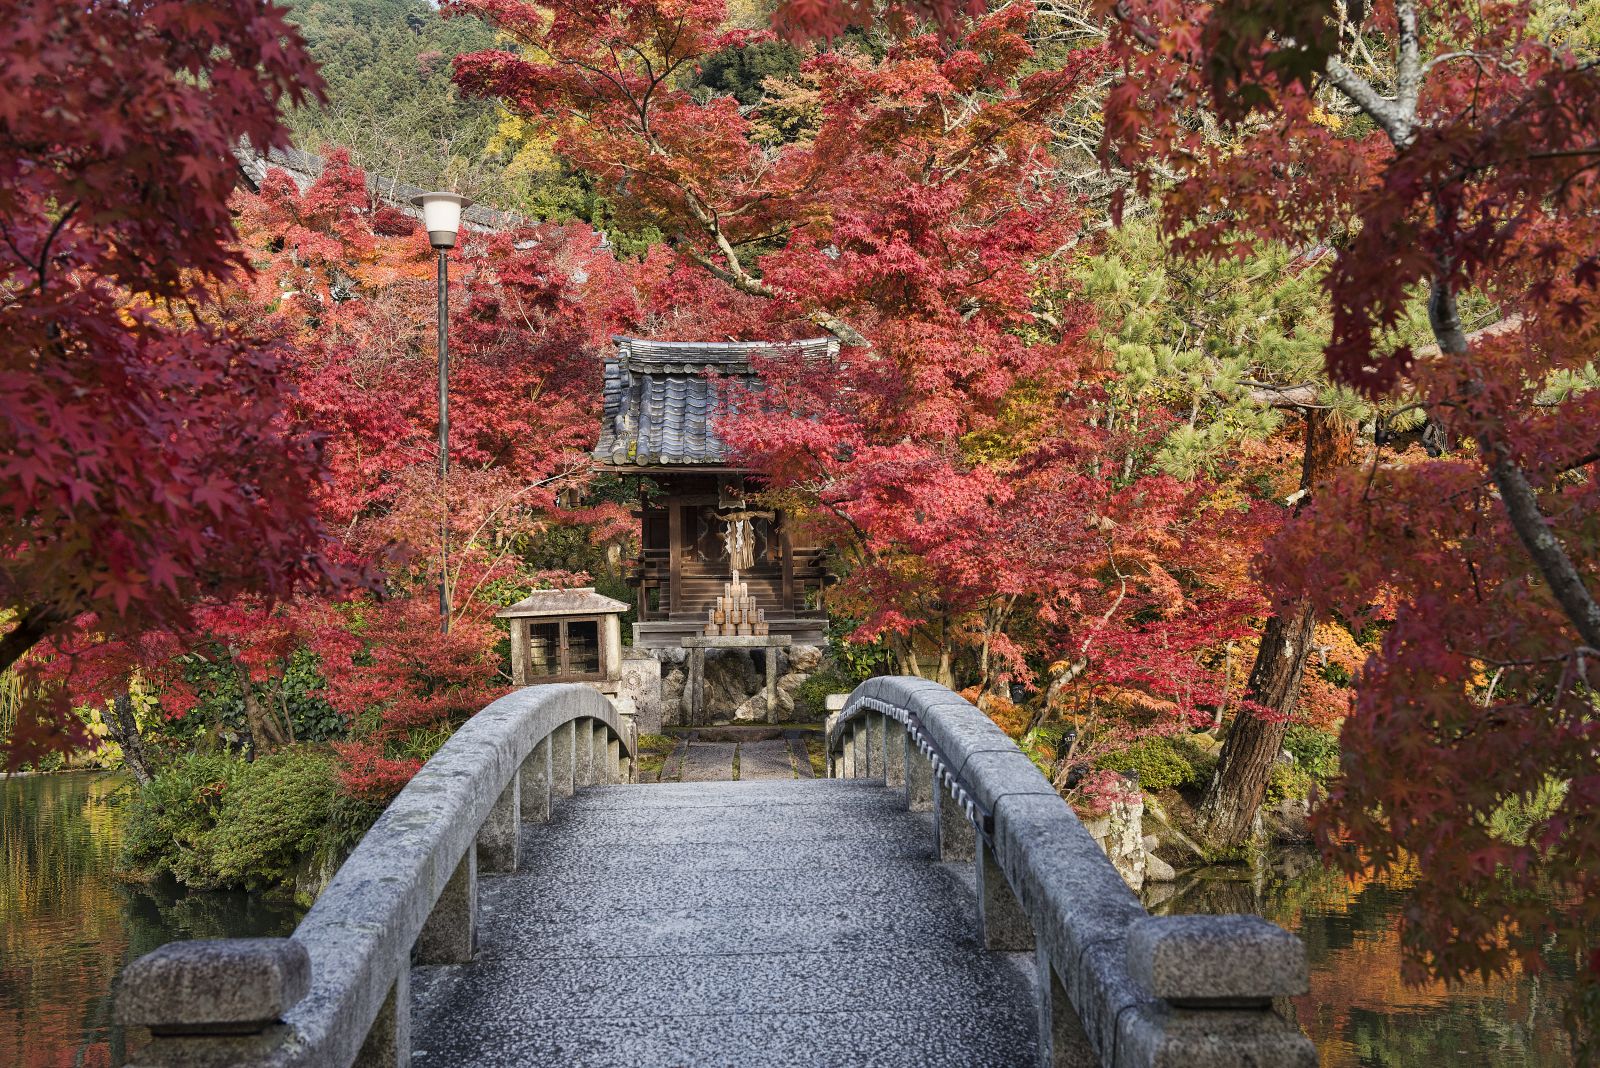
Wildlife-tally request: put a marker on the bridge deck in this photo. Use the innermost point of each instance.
(735, 923)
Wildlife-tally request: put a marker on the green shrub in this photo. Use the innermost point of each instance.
(276, 815)
(1287, 782)
(169, 826)
(811, 697)
(215, 821)
(1315, 751)
(1161, 763)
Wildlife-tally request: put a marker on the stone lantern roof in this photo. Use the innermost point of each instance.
(583, 601)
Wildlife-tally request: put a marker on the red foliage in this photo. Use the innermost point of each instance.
(355, 286)
(1476, 175)
(346, 285)
(952, 452)
(149, 460)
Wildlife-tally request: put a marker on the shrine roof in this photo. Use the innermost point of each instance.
(660, 397)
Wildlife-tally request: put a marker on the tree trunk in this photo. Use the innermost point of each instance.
(1228, 811)
(1516, 493)
(263, 732)
(124, 730)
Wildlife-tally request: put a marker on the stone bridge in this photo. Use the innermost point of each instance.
(932, 902)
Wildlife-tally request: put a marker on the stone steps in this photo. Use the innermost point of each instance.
(784, 922)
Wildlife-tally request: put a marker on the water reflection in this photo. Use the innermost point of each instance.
(67, 925)
(1358, 1012)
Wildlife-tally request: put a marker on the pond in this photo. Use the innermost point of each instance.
(67, 926)
(1359, 1013)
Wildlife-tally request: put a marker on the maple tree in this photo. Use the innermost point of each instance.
(955, 453)
(345, 284)
(1465, 165)
(351, 279)
(149, 459)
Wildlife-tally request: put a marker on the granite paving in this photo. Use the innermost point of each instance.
(709, 761)
(799, 922)
(759, 761)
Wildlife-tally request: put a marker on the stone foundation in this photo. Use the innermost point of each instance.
(1120, 832)
(735, 686)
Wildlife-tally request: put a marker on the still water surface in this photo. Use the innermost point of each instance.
(1358, 1012)
(67, 926)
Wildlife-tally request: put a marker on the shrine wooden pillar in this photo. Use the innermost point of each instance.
(675, 558)
(786, 547)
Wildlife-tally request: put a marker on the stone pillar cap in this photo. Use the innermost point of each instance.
(214, 985)
(1216, 960)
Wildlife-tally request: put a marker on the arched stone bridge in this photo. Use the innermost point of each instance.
(933, 902)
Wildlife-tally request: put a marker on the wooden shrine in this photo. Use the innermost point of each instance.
(702, 525)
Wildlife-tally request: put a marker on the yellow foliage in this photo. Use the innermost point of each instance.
(1322, 117)
(1009, 717)
(532, 148)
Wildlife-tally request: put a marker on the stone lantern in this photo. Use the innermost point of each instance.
(566, 636)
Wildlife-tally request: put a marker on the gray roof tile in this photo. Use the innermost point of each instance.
(661, 396)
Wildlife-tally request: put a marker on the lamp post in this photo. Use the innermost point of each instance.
(441, 217)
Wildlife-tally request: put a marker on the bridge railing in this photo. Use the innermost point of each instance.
(336, 992)
(1116, 987)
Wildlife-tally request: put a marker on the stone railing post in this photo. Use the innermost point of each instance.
(605, 768)
(874, 732)
(583, 753)
(1216, 977)
(500, 837)
(388, 1043)
(1062, 1041)
(535, 775)
(847, 753)
(894, 754)
(619, 768)
(1002, 923)
(954, 836)
(919, 778)
(564, 759)
(858, 749)
(450, 935)
(211, 1001)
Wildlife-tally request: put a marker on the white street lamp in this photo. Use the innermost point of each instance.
(441, 216)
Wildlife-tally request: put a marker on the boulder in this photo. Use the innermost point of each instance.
(788, 688)
(752, 709)
(804, 659)
(731, 678)
(1157, 870)
(1120, 832)
(1289, 820)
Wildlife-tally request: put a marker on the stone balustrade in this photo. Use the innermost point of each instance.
(1116, 987)
(336, 992)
